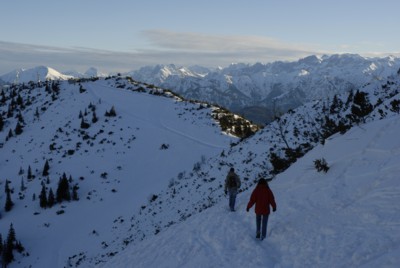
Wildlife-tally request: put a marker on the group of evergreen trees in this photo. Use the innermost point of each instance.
(17, 103)
(337, 117)
(8, 246)
(236, 125)
(63, 193)
(84, 123)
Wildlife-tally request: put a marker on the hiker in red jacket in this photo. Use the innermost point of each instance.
(263, 197)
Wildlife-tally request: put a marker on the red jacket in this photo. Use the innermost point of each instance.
(263, 197)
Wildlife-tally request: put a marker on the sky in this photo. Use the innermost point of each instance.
(123, 35)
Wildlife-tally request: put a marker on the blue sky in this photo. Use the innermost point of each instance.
(122, 35)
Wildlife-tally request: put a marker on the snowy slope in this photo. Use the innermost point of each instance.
(159, 163)
(117, 163)
(348, 217)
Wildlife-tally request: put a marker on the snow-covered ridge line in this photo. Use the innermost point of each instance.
(117, 141)
(132, 184)
(267, 153)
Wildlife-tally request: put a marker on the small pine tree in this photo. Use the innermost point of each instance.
(94, 118)
(7, 187)
(63, 190)
(18, 129)
(43, 197)
(22, 188)
(30, 176)
(1, 122)
(111, 113)
(46, 169)
(1, 245)
(37, 115)
(10, 134)
(20, 118)
(321, 165)
(9, 203)
(51, 200)
(8, 247)
(84, 125)
(11, 237)
(361, 106)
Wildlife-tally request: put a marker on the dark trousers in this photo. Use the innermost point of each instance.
(232, 198)
(261, 223)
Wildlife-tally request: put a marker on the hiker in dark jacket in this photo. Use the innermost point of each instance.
(232, 185)
(263, 197)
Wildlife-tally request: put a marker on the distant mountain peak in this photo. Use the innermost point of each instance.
(39, 73)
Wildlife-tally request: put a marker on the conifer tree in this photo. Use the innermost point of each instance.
(7, 187)
(94, 118)
(20, 118)
(1, 122)
(361, 106)
(11, 237)
(3, 99)
(43, 197)
(1, 245)
(51, 200)
(30, 176)
(10, 134)
(111, 113)
(21, 171)
(18, 129)
(8, 247)
(10, 112)
(63, 190)
(84, 125)
(9, 204)
(20, 101)
(46, 169)
(22, 188)
(37, 115)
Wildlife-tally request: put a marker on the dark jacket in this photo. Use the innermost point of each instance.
(236, 177)
(263, 197)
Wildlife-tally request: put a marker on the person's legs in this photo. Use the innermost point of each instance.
(264, 226)
(232, 199)
(258, 225)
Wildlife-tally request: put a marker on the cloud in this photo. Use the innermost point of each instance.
(16, 55)
(224, 44)
(164, 47)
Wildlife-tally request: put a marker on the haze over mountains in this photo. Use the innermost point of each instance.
(146, 166)
(259, 91)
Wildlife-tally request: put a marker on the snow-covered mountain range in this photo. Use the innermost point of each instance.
(261, 91)
(257, 91)
(40, 73)
(153, 172)
(43, 73)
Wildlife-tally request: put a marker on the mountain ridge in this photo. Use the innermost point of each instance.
(127, 164)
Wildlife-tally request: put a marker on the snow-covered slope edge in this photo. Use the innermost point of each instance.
(115, 163)
(348, 217)
(268, 152)
(125, 163)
